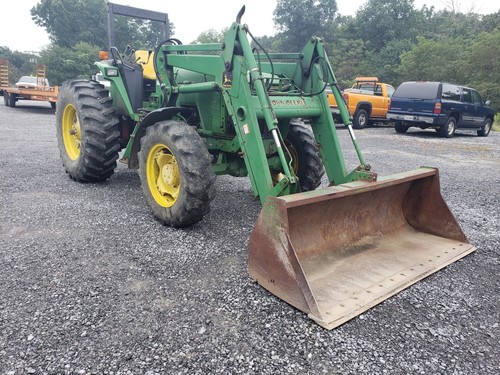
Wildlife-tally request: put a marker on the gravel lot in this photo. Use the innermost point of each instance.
(90, 283)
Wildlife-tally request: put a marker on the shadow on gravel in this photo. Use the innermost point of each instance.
(370, 127)
(34, 109)
(433, 134)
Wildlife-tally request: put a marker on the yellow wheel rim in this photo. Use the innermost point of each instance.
(72, 135)
(162, 173)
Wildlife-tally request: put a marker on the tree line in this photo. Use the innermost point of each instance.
(390, 39)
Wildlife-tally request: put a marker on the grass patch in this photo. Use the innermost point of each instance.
(496, 123)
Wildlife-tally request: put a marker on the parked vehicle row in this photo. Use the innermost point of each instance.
(442, 106)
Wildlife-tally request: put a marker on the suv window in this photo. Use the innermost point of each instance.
(466, 95)
(476, 98)
(450, 92)
(417, 90)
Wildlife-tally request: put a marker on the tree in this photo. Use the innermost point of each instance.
(433, 60)
(210, 36)
(384, 64)
(66, 63)
(298, 20)
(69, 22)
(379, 22)
(349, 60)
(481, 69)
(20, 63)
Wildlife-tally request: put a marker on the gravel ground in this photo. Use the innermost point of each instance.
(91, 283)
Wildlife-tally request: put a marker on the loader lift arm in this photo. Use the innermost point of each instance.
(240, 79)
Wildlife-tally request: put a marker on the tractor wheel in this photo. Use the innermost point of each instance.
(304, 150)
(176, 173)
(360, 119)
(485, 129)
(87, 131)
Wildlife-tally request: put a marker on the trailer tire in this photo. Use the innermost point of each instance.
(176, 174)
(307, 162)
(87, 130)
(12, 100)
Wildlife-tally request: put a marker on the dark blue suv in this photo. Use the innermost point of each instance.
(441, 106)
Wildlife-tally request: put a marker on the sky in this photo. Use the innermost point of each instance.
(192, 17)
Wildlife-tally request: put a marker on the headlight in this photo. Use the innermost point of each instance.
(112, 72)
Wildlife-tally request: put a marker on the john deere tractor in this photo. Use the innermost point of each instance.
(182, 114)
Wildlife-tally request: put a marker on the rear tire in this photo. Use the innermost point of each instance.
(307, 162)
(400, 127)
(360, 119)
(87, 129)
(485, 129)
(6, 98)
(448, 130)
(176, 173)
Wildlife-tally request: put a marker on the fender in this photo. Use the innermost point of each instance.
(152, 118)
(364, 104)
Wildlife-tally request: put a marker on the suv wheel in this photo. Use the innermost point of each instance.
(400, 127)
(485, 129)
(448, 130)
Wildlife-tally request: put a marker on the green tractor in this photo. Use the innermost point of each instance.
(182, 114)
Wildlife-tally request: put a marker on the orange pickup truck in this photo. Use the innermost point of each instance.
(368, 101)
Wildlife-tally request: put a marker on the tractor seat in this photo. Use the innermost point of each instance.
(146, 60)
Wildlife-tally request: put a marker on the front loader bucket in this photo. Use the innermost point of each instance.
(336, 252)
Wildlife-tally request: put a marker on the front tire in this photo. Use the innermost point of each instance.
(307, 163)
(87, 129)
(360, 119)
(485, 129)
(176, 173)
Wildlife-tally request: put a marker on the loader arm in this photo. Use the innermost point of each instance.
(236, 73)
